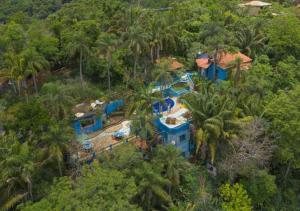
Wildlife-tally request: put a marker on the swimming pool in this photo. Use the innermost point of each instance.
(162, 107)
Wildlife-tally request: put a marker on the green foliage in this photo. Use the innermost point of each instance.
(261, 188)
(119, 46)
(284, 112)
(284, 35)
(234, 198)
(97, 188)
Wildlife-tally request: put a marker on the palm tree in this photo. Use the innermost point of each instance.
(173, 164)
(215, 36)
(16, 166)
(155, 28)
(58, 137)
(107, 44)
(143, 125)
(137, 41)
(57, 99)
(78, 44)
(141, 100)
(151, 185)
(8, 201)
(237, 65)
(162, 73)
(35, 62)
(250, 38)
(14, 69)
(212, 115)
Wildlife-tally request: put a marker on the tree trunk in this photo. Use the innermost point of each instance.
(151, 55)
(108, 73)
(157, 51)
(135, 66)
(12, 83)
(29, 187)
(215, 66)
(80, 69)
(19, 88)
(35, 84)
(237, 74)
(26, 90)
(59, 168)
(287, 171)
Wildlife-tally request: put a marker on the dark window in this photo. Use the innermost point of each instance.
(182, 138)
(87, 122)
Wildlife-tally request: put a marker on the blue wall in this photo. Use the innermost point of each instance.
(98, 125)
(88, 129)
(113, 106)
(173, 134)
(221, 73)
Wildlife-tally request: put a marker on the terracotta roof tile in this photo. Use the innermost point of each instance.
(225, 59)
(175, 65)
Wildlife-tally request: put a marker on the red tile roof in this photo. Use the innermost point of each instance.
(175, 65)
(225, 60)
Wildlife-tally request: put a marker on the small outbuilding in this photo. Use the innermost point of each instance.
(88, 117)
(254, 7)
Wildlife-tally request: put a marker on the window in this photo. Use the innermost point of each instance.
(86, 122)
(182, 138)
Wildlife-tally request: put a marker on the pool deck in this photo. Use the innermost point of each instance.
(177, 112)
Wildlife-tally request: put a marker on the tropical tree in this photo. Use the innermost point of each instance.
(140, 99)
(137, 41)
(212, 115)
(58, 137)
(17, 167)
(97, 188)
(216, 38)
(58, 99)
(107, 44)
(78, 44)
(236, 64)
(151, 187)
(172, 164)
(250, 38)
(162, 73)
(14, 69)
(143, 125)
(34, 63)
(234, 198)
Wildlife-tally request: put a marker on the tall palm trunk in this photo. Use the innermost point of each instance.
(108, 71)
(157, 51)
(59, 167)
(238, 73)
(35, 84)
(13, 86)
(215, 65)
(80, 68)
(135, 67)
(19, 87)
(152, 54)
(29, 187)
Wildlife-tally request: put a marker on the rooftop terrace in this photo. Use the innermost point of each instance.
(176, 116)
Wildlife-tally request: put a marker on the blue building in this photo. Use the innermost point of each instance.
(219, 70)
(173, 124)
(89, 116)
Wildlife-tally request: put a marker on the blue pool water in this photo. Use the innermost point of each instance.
(162, 107)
